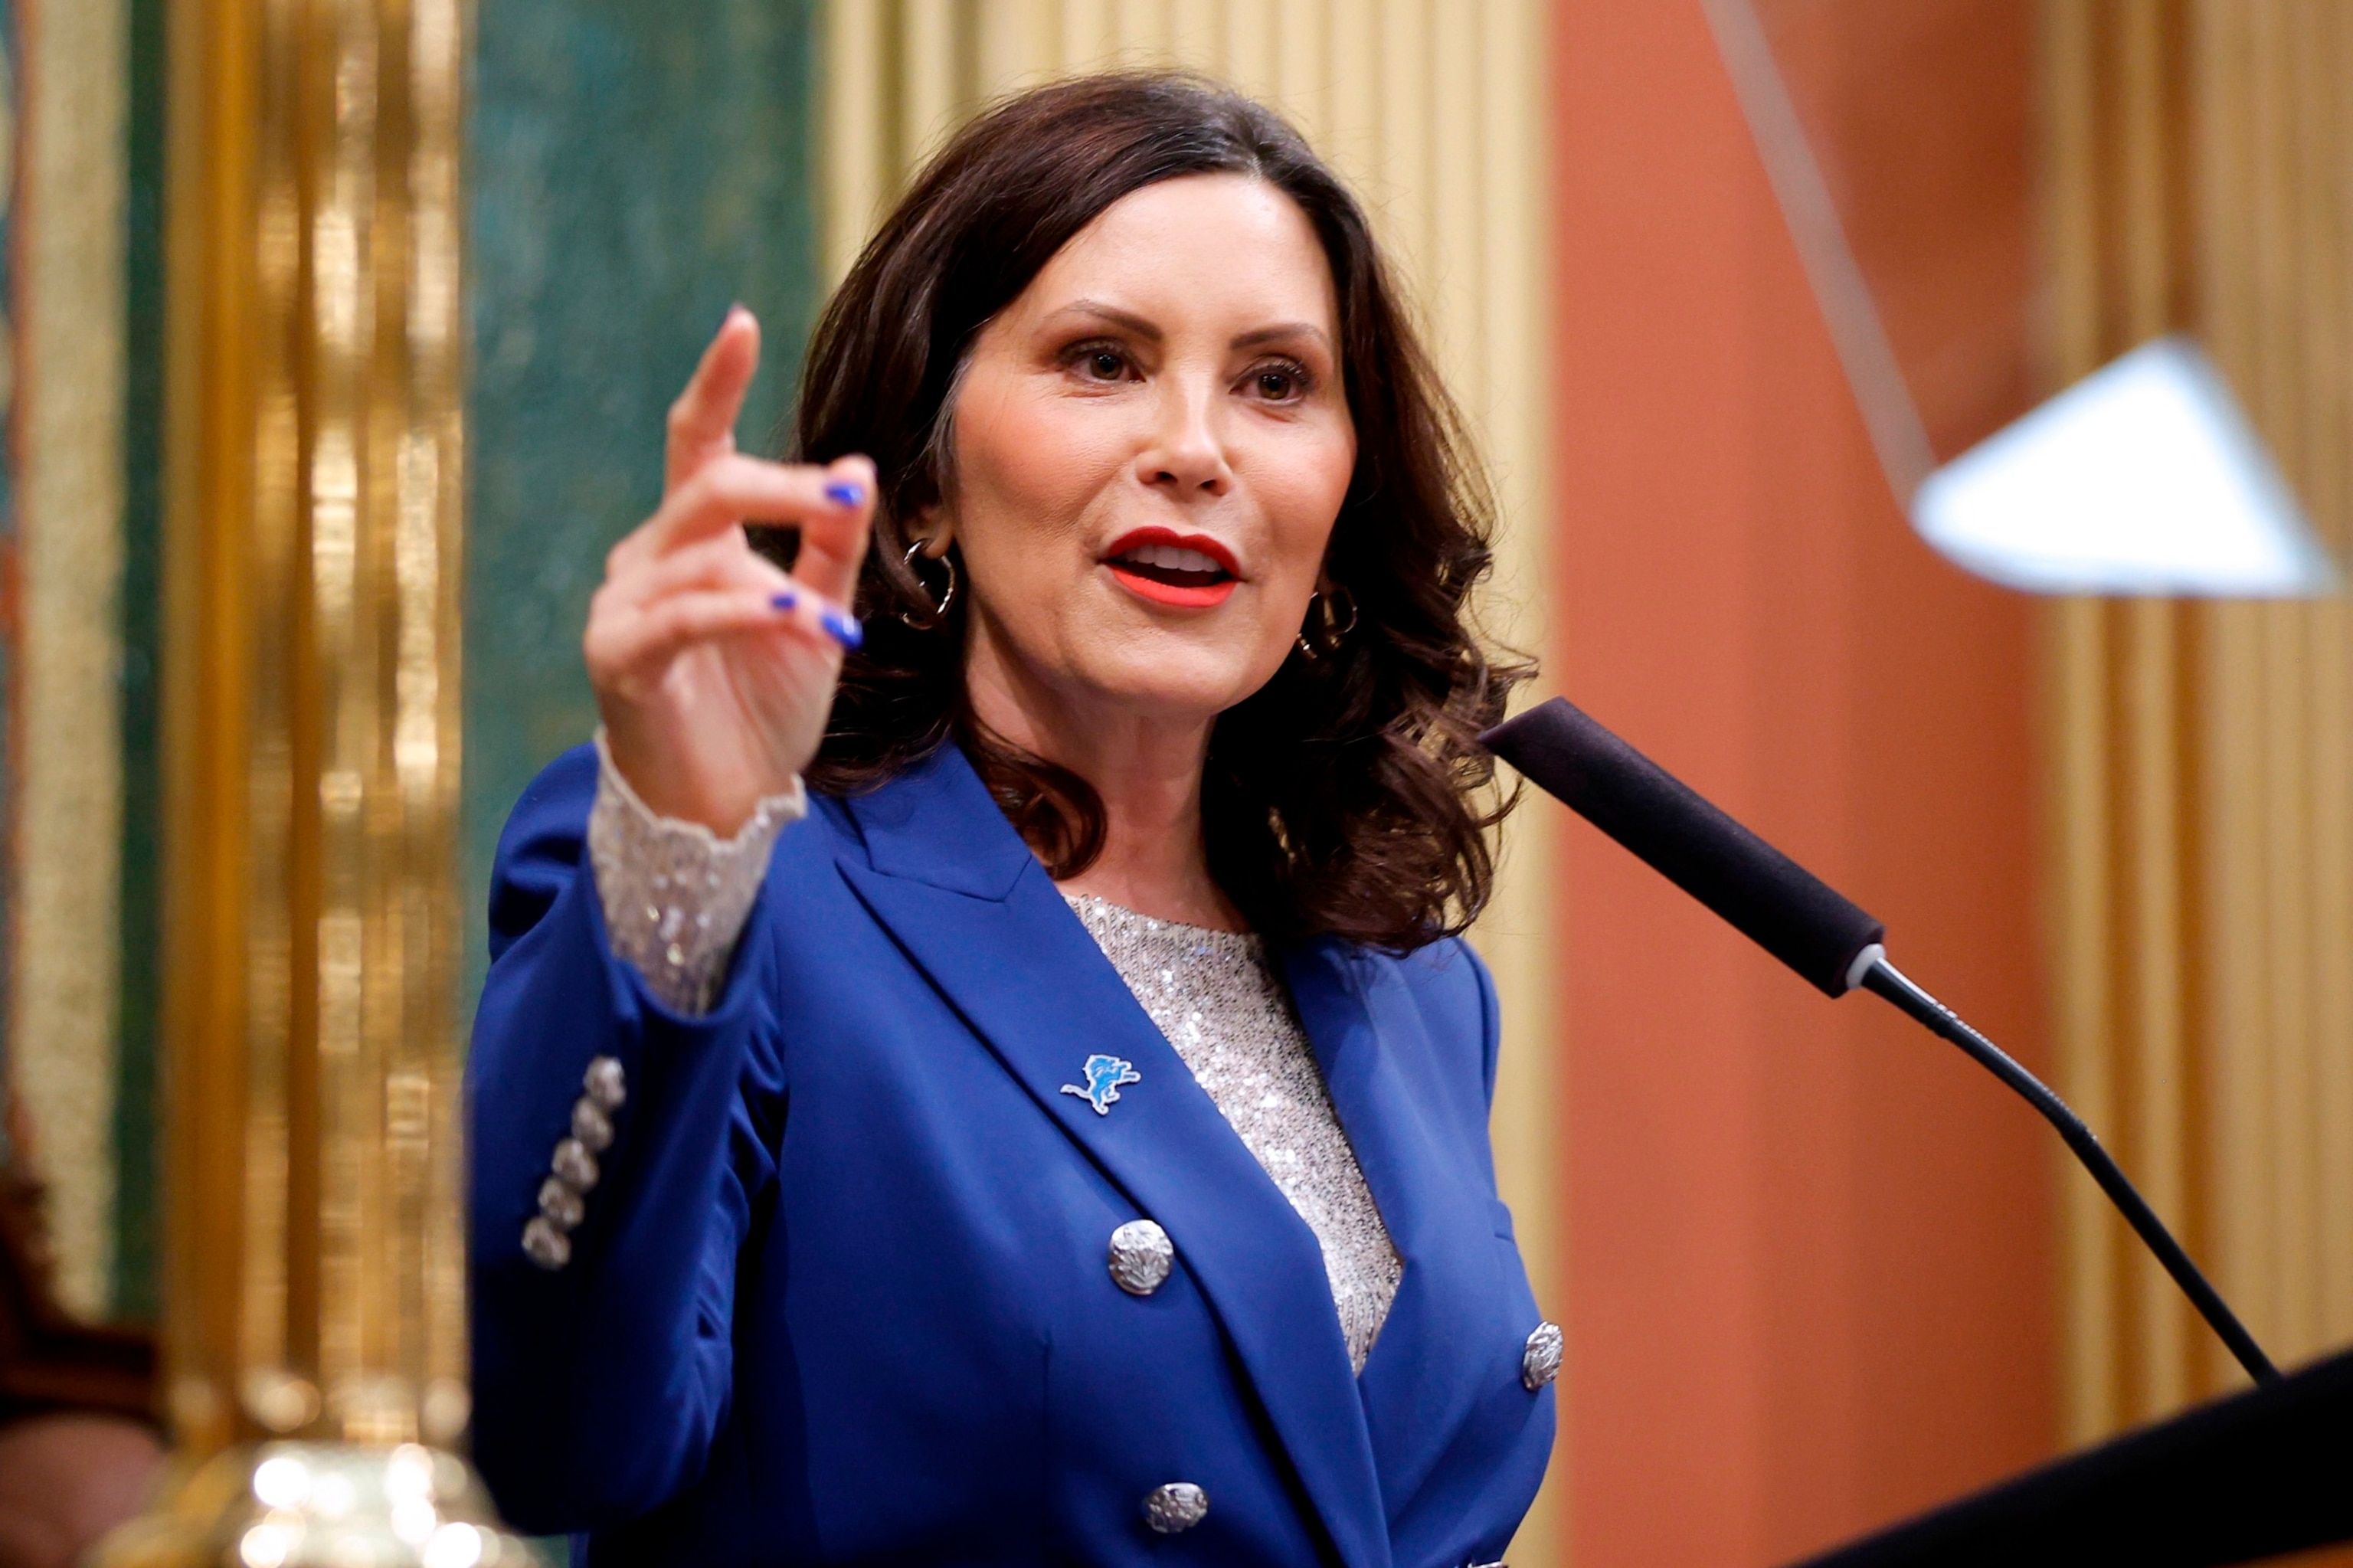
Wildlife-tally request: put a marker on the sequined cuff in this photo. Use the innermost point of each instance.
(676, 895)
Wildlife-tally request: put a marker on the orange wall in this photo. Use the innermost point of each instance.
(1810, 1249)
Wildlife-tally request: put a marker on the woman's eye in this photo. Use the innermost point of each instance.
(1102, 364)
(1280, 383)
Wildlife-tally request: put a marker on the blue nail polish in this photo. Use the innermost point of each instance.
(842, 628)
(843, 493)
(785, 601)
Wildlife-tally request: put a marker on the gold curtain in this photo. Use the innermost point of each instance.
(1434, 111)
(2201, 178)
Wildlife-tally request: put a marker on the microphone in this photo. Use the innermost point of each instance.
(1765, 895)
(1810, 926)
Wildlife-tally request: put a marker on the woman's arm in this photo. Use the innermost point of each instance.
(614, 1137)
(601, 1376)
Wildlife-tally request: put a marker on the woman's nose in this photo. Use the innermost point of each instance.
(1186, 452)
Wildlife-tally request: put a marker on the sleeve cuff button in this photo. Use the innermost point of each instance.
(560, 1204)
(575, 1165)
(545, 1245)
(591, 1126)
(606, 1085)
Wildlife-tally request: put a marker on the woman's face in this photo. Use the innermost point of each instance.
(1151, 444)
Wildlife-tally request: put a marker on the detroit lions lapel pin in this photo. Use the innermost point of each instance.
(1105, 1075)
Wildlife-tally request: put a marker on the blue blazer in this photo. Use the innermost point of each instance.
(841, 1293)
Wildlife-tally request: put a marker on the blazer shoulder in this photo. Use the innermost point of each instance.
(1455, 996)
(1445, 976)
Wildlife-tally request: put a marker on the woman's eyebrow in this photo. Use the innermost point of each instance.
(1113, 315)
(1148, 331)
(1280, 331)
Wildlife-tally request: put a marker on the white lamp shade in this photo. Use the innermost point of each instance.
(2141, 479)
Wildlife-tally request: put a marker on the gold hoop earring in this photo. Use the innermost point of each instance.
(927, 620)
(1333, 631)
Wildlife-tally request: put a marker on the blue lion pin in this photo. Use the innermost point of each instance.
(1104, 1076)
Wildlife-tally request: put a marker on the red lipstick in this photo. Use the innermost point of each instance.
(1187, 571)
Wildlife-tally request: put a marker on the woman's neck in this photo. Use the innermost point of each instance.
(1146, 770)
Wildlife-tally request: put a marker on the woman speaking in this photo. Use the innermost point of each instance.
(978, 1062)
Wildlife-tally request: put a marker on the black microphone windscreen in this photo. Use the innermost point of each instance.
(1782, 907)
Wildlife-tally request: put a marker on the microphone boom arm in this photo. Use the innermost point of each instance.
(1812, 928)
(1885, 979)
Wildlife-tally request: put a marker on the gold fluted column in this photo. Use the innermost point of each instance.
(2202, 753)
(1434, 111)
(313, 1286)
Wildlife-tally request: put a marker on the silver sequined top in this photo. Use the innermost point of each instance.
(1218, 1000)
(675, 897)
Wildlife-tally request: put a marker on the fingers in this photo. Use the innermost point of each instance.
(815, 612)
(633, 648)
(726, 561)
(703, 420)
(832, 505)
(834, 544)
(637, 623)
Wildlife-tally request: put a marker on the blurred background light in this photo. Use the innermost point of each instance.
(2143, 478)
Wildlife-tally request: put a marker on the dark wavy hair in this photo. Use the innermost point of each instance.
(1346, 796)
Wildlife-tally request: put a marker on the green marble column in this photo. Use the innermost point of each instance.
(135, 1119)
(634, 166)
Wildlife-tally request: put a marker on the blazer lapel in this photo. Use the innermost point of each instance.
(962, 894)
(1436, 1208)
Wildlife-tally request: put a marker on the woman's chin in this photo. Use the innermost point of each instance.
(1172, 677)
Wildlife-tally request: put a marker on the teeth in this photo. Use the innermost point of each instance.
(1172, 559)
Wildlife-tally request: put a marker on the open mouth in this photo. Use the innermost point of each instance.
(1189, 570)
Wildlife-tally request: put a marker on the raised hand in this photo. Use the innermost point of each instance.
(713, 669)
